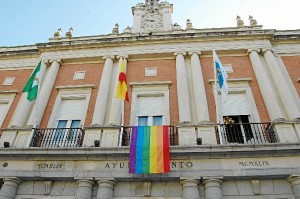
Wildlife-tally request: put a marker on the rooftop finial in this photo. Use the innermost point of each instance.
(115, 30)
(57, 34)
(239, 22)
(253, 22)
(69, 33)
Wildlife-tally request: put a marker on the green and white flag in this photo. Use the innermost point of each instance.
(33, 83)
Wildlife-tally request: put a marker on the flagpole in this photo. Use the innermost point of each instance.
(217, 101)
(122, 113)
(36, 108)
(122, 123)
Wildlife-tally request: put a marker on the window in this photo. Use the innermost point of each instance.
(239, 130)
(150, 110)
(78, 75)
(5, 103)
(236, 108)
(8, 81)
(68, 120)
(240, 107)
(67, 117)
(150, 104)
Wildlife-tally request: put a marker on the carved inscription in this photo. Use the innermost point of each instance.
(173, 165)
(50, 166)
(261, 163)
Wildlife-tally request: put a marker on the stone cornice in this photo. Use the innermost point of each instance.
(90, 86)
(177, 152)
(9, 92)
(163, 37)
(109, 40)
(136, 84)
(233, 80)
(18, 62)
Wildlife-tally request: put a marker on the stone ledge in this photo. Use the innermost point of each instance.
(182, 152)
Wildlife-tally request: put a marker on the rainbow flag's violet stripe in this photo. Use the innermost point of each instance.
(149, 150)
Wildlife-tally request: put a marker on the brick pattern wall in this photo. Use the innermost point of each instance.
(242, 68)
(21, 77)
(166, 71)
(65, 78)
(292, 64)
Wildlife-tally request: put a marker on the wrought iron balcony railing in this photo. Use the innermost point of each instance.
(246, 133)
(57, 137)
(127, 132)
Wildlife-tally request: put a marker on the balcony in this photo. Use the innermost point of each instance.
(237, 133)
(246, 133)
(127, 132)
(57, 137)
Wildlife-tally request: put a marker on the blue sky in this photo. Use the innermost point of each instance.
(26, 22)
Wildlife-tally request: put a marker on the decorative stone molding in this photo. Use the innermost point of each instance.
(213, 188)
(125, 56)
(109, 57)
(190, 188)
(84, 189)
(255, 186)
(264, 50)
(87, 86)
(48, 186)
(295, 182)
(178, 53)
(194, 52)
(106, 188)
(253, 49)
(55, 60)
(9, 187)
(147, 188)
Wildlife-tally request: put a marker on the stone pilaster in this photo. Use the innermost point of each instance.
(182, 89)
(190, 188)
(199, 89)
(9, 188)
(84, 188)
(265, 86)
(295, 182)
(117, 104)
(106, 188)
(24, 107)
(102, 97)
(44, 94)
(289, 104)
(213, 189)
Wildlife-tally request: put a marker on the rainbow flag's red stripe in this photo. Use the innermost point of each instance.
(149, 150)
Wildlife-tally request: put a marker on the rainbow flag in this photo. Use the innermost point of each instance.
(149, 150)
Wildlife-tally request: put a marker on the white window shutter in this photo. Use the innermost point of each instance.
(149, 106)
(3, 112)
(71, 109)
(235, 104)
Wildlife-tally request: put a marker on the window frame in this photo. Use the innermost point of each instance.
(6, 98)
(69, 94)
(241, 86)
(150, 89)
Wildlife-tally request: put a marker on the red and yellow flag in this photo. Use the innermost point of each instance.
(122, 83)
